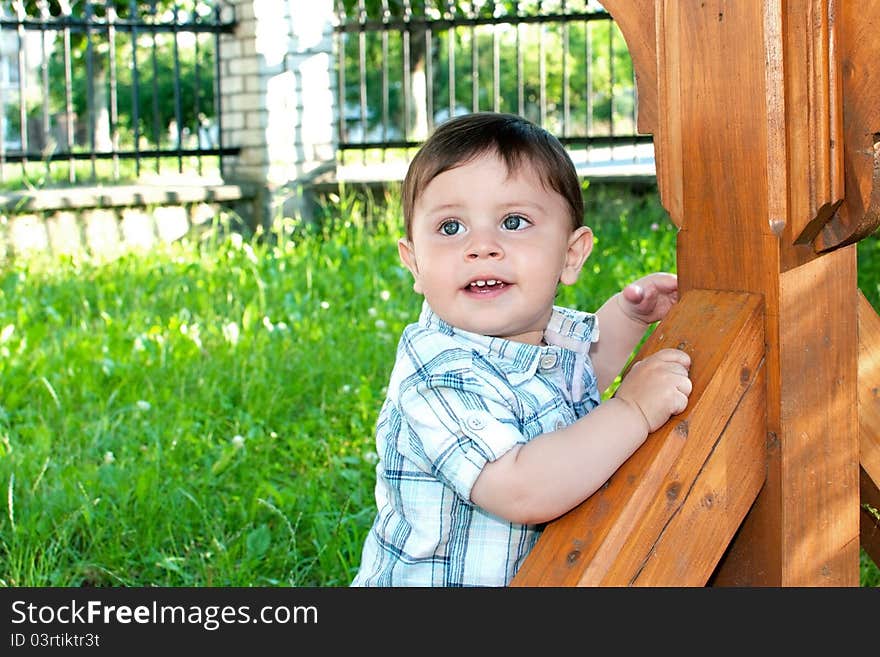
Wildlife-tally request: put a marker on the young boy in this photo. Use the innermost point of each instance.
(492, 425)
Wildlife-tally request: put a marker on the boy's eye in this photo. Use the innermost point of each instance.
(451, 227)
(515, 222)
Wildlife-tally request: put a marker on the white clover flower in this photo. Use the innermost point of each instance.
(345, 389)
(325, 305)
(238, 441)
(268, 324)
(371, 312)
(231, 332)
(371, 457)
(272, 434)
(109, 458)
(384, 295)
(655, 226)
(143, 405)
(281, 326)
(192, 332)
(236, 240)
(380, 324)
(249, 253)
(7, 332)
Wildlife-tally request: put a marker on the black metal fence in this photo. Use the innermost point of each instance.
(89, 88)
(109, 89)
(405, 65)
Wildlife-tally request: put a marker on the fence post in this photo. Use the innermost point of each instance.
(278, 99)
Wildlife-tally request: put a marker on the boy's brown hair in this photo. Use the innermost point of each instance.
(516, 140)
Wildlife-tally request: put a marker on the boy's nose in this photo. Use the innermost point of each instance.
(483, 246)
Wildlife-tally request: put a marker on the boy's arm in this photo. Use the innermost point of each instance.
(556, 471)
(623, 320)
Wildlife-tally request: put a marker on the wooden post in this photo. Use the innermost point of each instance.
(746, 195)
(766, 123)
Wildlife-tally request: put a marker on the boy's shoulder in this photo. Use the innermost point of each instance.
(430, 359)
(427, 348)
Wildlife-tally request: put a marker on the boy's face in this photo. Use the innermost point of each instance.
(489, 248)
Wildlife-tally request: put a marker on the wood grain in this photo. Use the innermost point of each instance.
(722, 124)
(869, 428)
(869, 388)
(608, 538)
(696, 536)
(858, 24)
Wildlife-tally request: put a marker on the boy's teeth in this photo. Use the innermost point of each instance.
(481, 283)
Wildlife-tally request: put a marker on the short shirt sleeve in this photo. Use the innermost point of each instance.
(456, 423)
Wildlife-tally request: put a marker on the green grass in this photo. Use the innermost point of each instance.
(203, 415)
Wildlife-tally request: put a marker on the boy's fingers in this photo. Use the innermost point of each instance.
(674, 356)
(634, 293)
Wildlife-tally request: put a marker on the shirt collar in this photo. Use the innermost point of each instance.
(568, 329)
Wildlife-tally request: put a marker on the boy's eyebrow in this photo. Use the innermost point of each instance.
(443, 207)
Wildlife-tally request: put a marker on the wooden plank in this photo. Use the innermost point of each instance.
(869, 428)
(803, 529)
(869, 520)
(697, 535)
(869, 388)
(820, 443)
(723, 333)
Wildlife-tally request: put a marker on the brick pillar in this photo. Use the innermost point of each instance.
(278, 97)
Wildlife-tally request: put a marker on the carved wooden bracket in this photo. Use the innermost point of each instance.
(824, 129)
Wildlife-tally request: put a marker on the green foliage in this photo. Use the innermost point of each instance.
(203, 415)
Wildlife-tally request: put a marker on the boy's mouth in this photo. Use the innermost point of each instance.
(485, 285)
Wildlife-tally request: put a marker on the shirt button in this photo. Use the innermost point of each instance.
(548, 361)
(475, 422)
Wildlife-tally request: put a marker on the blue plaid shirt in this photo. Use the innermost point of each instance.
(457, 400)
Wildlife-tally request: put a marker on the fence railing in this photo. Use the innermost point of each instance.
(405, 65)
(89, 88)
(106, 90)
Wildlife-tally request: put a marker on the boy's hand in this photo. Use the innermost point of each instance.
(658, 386)
(649, 299)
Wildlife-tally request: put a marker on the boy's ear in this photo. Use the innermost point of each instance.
(580, 245)
(408, 257)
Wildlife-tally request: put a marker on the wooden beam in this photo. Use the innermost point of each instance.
(869, 427)
(869, 519)
(694, 539)
(708, 460)
(726, 107)
(869, 388)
